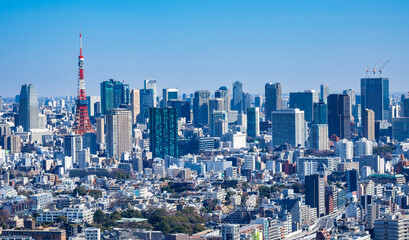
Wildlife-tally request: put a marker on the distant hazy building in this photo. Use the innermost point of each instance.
(151, 84)
(253, 122)
(224, 93)
(368, 124)
(147, 101)
(119, 132)
(136, 105)
(339, 116)
(237, 101)
(273, 99)
(28, 107)
(201, 107)
(246, 102)
(375, 96)
(288, 126)
(219, 123)
(163, 128)
(305, 102)
(324, 92)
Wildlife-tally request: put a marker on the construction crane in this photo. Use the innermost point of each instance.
(381, 68)
(366, 69)
(375, 67)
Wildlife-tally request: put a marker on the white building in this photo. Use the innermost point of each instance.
(92, 234)
(344, 149)
(363, 147)
(7, 192)
(250, 162)
(42, 200)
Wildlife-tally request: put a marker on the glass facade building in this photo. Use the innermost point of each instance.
(375, 96)
(163, 127)
(28, 107)
(113, 94)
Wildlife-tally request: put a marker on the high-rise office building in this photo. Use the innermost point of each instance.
(147, 101)
(344, 149)
(253, 122)
(151, 84)
(183, 108)
(72, 144)
(246, 102)
(237, 101)
(320, 113)
(118, 132)
(113, 94)
(375, 96)
(163, 128)
(324, 92)
(318, 137)
(339, 116)
(216, 104)
(405, 106)
(219, 123)
(28, 107)
(258, 101)
(201, 107)
(11, 143)
(288, 126)
(84, 158)
(224, 93)
(169, 94)
(393, 226)
(352, 180)
(93, 106)
(305, 102)
(273, 99)
(136, 105)
(368, 124)
(101, 130)
(315, 193)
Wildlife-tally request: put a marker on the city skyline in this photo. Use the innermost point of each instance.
(180, 48)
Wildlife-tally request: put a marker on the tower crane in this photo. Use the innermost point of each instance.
(381, 67)
(366, 69)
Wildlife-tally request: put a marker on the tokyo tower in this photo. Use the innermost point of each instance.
(82, 123)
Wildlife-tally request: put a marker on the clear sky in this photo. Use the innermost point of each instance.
(195, 44)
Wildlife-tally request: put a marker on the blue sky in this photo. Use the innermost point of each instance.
(195, 44)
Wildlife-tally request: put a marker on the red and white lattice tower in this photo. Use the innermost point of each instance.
(82, 123)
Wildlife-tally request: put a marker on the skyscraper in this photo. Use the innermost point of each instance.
(305, 102)
(324, 92)
(113, 94)
(320, 113)
(352, 180)
(273, 98)
(151, 84)
(315, 193)
(368, 124)
(163, 128)
(72, 144)
(147, 101)
(288, 126)
(246, 102)
(218, 123)
(318, 137)
(237, 101)
(339, 116)
(201, 107)
(119, 132)
(28, 107)
(169, 94)
(253, 122)
(136, 105)
(375, 96)
(183, 108)
(223, 93)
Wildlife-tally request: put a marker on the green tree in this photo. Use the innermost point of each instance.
(62, 218)
(99, 216)
(95, 193)
(81, 191)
